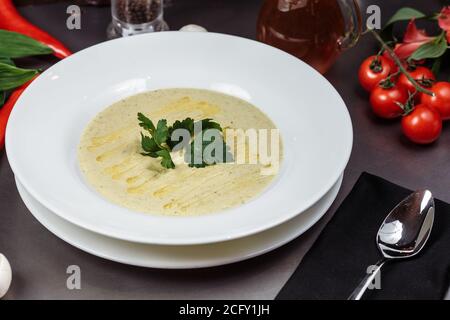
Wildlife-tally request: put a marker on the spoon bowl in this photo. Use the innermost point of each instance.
(402, 234)
(407, 227)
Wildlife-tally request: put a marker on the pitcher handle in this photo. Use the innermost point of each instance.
(353, 23)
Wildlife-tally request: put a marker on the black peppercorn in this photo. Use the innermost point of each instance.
(138, 11)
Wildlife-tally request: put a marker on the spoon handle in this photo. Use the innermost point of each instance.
(368, 279)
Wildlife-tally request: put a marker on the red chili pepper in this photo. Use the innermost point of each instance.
(11, 20)
(5, 111)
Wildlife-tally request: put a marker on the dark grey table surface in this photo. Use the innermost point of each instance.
(39, 259)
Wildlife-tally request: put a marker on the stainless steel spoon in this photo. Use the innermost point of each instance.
(402, 234)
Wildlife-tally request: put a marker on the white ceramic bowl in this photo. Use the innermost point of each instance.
(46, 124)
(179, 257)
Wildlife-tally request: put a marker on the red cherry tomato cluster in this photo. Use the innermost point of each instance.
(392, 95)
(373, 70)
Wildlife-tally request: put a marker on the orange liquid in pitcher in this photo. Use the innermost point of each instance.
(307, 29)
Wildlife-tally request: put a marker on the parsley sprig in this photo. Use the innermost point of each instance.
(159, 143)
(155, 145)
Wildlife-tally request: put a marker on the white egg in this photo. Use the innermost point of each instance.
(193, 28)
(5, 275)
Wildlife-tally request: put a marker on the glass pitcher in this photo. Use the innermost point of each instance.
(315, 31)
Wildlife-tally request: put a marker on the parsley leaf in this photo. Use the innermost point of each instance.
(154, 145)
(162, 132)
(166, 161)
(209, 124)
(146, 123)
(148, 144)
(187, 124)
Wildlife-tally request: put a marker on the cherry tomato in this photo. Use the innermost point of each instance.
(419, 74)
(441, 99)
(372, 71)
(423, 125)
(385, 101)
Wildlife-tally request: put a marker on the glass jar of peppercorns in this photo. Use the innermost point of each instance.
(131, 17)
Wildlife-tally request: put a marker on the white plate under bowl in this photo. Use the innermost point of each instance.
(46, 124)
(178, 257)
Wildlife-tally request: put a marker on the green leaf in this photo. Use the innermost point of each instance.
(209, 124)
(13, 77)
(146, 123)
(405, 13)
(187, 124)
(16, 45)
(436, 65)
(430, 50)
(148, 144)
(162, 132)
(166, 161)
(6, 60)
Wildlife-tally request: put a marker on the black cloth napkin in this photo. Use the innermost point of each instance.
(338, 260)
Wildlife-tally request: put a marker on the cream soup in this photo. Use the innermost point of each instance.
(110, 155)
